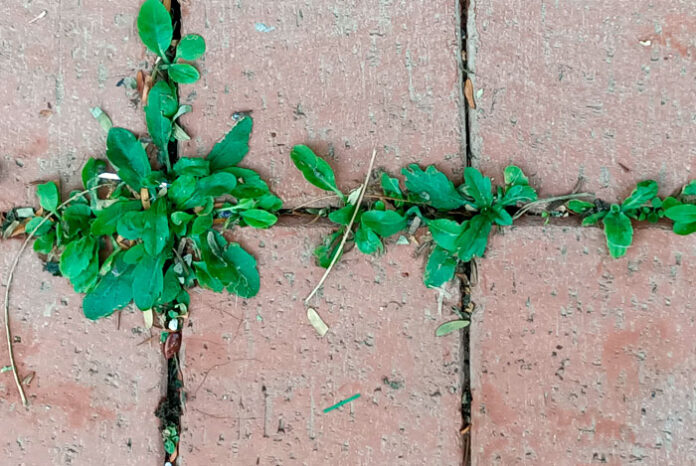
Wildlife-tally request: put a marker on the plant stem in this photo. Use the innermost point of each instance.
(348, 229)
(565, 197)
(8, 331)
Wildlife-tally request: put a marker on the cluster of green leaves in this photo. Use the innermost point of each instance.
(642, 205)
(460, 218)
(170, 438)
(163, 107)
(152, 236)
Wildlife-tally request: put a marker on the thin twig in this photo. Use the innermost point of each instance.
(348, 228)
(565, 197)
(8, 331)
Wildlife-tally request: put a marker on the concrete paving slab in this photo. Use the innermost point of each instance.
(95, 387)
(57, 60)
(577, 358)
(259, 376)
(597, 89)
(342, 77)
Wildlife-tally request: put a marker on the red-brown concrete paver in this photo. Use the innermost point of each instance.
(259, 376)
(57, 60)
(578, 358)
(343, 77)
(599, 89)
(94, 390)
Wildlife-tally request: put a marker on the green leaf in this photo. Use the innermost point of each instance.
(449, 327)
(644, 192)
(75, 219)
(328, 249)
(205, 279)
(127, 155)
(191, 47)
(594, 218)
(49, 198)
(367, 240)
(91, 171)
(156, 232)
(202, 224)
(107, 219)
(250, 185)
(579, 207)
(269, 202)
(478, 187)
(445, 233)
(683, 213)
(432, 187)
(161, 104)
(247, 281)
(499, 215)
(232, 148)
(259, 218)
(33, 227)
(181, 218)
(113, 291)
(45, 243)
(390, 186)
(155, 27)
(183, 73)
(85, 280)
(515, 176)
(216, 184)
(690, 189)
(474, 238)
(76, 256)
(315, 169)
(679, 228)
(171, 287)
(343, 215)
(194, 166)
(518, 193)
(182, 189)
(618, 231)
(440, 268)
(383, 222)
(148, 281)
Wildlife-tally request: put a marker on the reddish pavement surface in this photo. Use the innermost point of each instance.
(575, 358)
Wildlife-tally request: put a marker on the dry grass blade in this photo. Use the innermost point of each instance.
(348, 229)
(10, 276)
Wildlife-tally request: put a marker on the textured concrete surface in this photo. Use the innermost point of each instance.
(259, 376)
(599, 89)
(94, 389)
(57, 60)
(342, 77)
(578, 358)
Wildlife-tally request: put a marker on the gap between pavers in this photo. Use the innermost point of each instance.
(259, 376)
(581, 358)
(95, 387)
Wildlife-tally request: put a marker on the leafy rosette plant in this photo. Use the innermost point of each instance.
(153, 234)
(460, 218)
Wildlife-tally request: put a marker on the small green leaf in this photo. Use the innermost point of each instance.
(49, 198)
(644, 192)
(183, 73)
(194, 166)
(232, 148)
(440, 268)
(515, 176)
(445, 233)
(499, 215)
(474, 238)
(161, 104)
(181, 218)
(390, 186)
(618, 231)
(315, 169)
(202, 224)
(478, 187)
(182, 189)
(367, 240)
(75, 219)
(217, 184)
(250, 185)
(155, 27)
(682, 213)
(518, 193)
(328, 249)
(690, 189)
(33, 227)
(76, 256)
(247, 281)
(127, 155)
(449, 327)
(681, 228)
(112, 292)
(343, 215)
(91, 171)
(45, 243)
(107, 219)
(579, 207)
(432, 187)
(269, 202)
(383, 222)
(594, 218)
(191, 47)
(258, 218)
(156, 232)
